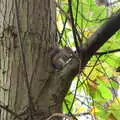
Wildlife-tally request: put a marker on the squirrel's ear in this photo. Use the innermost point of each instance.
(53, 51)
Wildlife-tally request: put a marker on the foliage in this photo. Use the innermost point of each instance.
(94, 92)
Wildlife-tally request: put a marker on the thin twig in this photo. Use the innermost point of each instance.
(59, 115)
(73, 26)
(107, 52)
(74, 118)
(10, 111)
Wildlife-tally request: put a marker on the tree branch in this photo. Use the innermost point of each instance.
(107, 52)
(94, 43)
(103, 34)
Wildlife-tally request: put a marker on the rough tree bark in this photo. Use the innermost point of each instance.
(29, 86)
(37, 33)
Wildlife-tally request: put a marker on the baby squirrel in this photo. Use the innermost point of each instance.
(60, 56)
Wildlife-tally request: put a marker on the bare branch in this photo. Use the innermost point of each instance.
(103, 34)
(107, 52)
(59, 115)
(94, 43)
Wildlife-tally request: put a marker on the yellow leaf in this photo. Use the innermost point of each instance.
(116, 101)
(65, 1)
(88, 32)
(103, 78)
(94, 110)
(81, 109)
(93, 84)
(59, 22)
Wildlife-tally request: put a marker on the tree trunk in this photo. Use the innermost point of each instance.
(30, 88)
(25, 69)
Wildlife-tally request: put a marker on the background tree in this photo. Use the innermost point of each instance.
(31, 87)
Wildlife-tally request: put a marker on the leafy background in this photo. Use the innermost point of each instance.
(95, 93)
